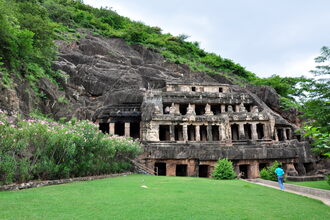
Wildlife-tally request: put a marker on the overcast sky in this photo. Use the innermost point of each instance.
(267, 37)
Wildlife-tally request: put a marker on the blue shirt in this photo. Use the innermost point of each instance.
(279, 171)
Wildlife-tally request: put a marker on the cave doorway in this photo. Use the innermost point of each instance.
(164, 132)
(234, 132)
(178, 131)
(135, 130)
(280, 134)
(181, 170)
(200, 109)
(203, 171)
(183, 109)
(160, 169)
(215, 133)
(244, 171)
(262, 165)
(203, 132)
(248, 131)
(191, 133)
(260, 131)
(120, 128)
(104, 127)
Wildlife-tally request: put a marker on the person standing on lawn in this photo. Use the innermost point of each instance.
(280, 176)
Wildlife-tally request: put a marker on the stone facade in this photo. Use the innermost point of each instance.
(186, 127)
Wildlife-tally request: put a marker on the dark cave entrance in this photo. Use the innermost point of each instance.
(104, 127)
(191, 133)
(135, 130)
(248, 131)
(260, 131)
(200, 109)
(234, 132)
(244, 171)
(160, 169)
(203, 132)
(181, 170)
(164, 132)
(120, 128)
(203, 171)
(178, 130)
(215, 133)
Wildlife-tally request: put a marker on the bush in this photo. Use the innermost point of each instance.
(328, 179)
(44, 149)
(268, 173)
(224, 170)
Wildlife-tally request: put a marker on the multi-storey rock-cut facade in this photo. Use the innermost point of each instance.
(186, 127)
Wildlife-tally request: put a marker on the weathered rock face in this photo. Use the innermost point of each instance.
(102, 72)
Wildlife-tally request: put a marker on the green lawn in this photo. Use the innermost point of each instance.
(314, 184)
(165, 198)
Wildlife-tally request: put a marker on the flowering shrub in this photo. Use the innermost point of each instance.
(44, 149)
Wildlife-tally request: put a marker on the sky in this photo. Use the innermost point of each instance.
(266, 37)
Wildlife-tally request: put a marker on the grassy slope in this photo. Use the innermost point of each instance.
(166, 198)
(314, 184)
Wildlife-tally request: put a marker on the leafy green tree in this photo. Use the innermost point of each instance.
(224, 170)
(316, 106)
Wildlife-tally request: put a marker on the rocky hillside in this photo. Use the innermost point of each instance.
(102, 59)
(103, 71)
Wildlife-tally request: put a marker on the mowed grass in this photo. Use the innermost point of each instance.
(165, 198)
(322, 184)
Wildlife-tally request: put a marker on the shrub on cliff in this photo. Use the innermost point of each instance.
(224, 170)
(268, 173)
(41, 149)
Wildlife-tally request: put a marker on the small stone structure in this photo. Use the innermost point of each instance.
(186, 127)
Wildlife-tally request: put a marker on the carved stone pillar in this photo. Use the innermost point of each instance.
(209, 133)
(267, 131)
(172, 135)
(223, 108)
(198, 136)
(289, 133)
(185, 132)
(254, 131)
(222, 133)
(275, 134)
(241, 133)
(112, 129)
(253, 170)
(237, 108)
(284, 134)
(127, 129)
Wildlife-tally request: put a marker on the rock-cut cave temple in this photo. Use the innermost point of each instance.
(186, 127)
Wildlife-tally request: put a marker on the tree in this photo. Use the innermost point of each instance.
(316, 107)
